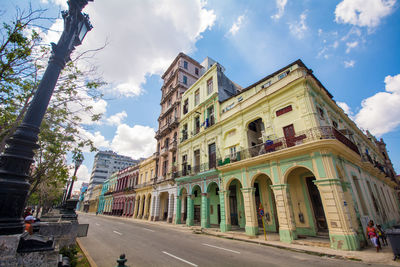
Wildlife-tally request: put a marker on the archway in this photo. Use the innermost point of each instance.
(265, 199)
(164, 198)
(306, 203)
(148, 204)
(142, 204)
(183, 209)
(235, 205)
(214, 208)
(196, 197)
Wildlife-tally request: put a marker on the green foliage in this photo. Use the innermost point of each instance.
(22, 64)
(70, 252)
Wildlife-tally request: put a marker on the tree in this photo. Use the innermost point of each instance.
(22, 62)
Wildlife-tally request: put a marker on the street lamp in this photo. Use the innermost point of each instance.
(78, 162)
(16, 161)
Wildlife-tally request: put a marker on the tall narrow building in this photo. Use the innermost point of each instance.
(180, 75)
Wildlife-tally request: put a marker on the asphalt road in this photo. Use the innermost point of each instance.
(157, 245)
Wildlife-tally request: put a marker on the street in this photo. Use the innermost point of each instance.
(157, 245)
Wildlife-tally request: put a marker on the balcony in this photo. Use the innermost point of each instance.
(164, 151)
(188, 170)
(367, 158)
(173, 146)
(303, 137)
(173, 123)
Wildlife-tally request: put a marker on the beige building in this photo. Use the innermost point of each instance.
(144, 188)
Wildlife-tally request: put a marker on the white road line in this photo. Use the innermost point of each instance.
(148, 229)
(173, 256)
(117, 232)
(97, 224)
(221, 248)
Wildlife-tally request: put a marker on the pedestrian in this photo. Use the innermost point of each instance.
(381, 235)
(97, 212)
(29, 220)
(27, 212)
(372, 235)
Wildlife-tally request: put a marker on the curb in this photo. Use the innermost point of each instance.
(88, 257)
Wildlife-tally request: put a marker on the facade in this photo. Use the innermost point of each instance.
(105, 164)
(108, 196)
(83, 190)
(124, 194)
(144, 188)
(94, 200)
(283, 146)
(104, 190)
(180, 75)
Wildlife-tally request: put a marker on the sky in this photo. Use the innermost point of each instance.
(352, 46)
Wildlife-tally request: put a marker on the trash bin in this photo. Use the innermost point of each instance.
(394, 239)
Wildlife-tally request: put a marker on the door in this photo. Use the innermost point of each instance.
(233, 205)
(212, 159)
(196, 161)
(317, 205)
(289, 133)
(197, 213)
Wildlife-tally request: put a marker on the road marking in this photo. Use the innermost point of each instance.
(148, 229)
(117, 232)
(97, 224)
(173, 256)
(221, 248)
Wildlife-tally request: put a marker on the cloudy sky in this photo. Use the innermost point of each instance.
(351, 45)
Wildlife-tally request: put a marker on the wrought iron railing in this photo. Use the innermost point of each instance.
(193, 170)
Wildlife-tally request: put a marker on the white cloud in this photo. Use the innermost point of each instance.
(117, 118)
(335, 44)
(349, 64)
(137, 141)
(363, 13)
(236, 25)
(298, 28)
(143, 37)
(280, 4)
(61, 3)
(82, 175)
(99, 141)
(345, 108)
(380, 113)
(351, 45)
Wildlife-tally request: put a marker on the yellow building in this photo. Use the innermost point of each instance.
(284, 149)
(144, 188)
(94, 200)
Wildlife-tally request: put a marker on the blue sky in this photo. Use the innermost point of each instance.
(351, 45)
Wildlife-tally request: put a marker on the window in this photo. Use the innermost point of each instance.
(364, 210)
(209, 86)
(284, 110)
(186, 106)
(184, 133)
(197, 97)
(184, 79)
(185, 65)
(335, 124)
(210, 121)
(321, 113)
(196, 70)
(283, 75)
(232, 152)
(196, 125)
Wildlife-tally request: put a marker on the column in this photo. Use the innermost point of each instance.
(287, 227)
(140, 210)
(146, 208)
(190, 211)
(154, 216)
(205, 211)
(170, 208)
(225, 224)
(178, 210)
(250, 211)
(136, 209)
(341, 233)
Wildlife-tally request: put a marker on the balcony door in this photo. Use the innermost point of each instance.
(212, 158)
(196, 162)
(289, 133)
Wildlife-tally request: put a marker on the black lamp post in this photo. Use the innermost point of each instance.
(78, 163)
(16, 161)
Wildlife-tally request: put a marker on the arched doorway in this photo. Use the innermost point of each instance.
(164, 206)
(142, 204)
(196, 196)
(235, 205)
(214, 208)
(306, 203)
(183, 210)
(148, 205)
(265, 199)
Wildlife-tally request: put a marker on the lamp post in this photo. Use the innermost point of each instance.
(78, 162)
(16, 161)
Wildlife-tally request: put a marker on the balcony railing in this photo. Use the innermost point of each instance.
(302, 137)
(189, 170)
(168, 126)
(378, 165)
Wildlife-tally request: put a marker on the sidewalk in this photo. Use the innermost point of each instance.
(315, 246)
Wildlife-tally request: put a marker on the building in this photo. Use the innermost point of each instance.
(283, 146)
(144, 188)
(105, 164)
(104, 190)
(125, 194)
(179, 76)
(94, 199)
(83, 190)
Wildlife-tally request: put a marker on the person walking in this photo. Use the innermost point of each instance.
(372, 235)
